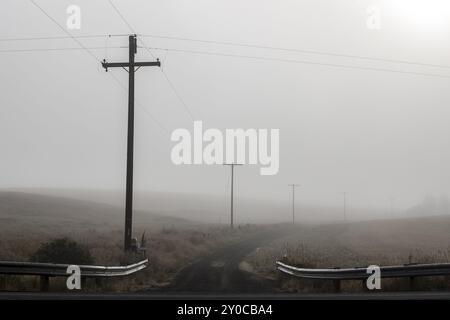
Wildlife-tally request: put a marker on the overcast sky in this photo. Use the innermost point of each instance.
(374, 134)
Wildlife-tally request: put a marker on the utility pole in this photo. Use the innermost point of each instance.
(345, 205)
(293, 200)
(391, 206)
(132, 68)
(232, 185)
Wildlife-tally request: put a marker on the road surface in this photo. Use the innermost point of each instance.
(219, 272)
(185, 297)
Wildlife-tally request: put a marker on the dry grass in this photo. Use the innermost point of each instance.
(168, 250)
(421, 240)
(27, 221)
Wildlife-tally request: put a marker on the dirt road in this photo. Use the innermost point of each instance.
(219, 272)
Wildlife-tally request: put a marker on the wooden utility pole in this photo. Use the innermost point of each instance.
(131, 67)
(345, 205)
(232, 191)
(293, 201)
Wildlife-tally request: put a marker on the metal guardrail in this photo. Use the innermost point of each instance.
(47, 270)
(410, 271)
(60, 270)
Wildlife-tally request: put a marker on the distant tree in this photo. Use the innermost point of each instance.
(63, 250)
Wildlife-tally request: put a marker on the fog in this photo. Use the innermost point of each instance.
(381, 136)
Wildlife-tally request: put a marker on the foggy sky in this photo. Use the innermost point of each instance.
(373, 134)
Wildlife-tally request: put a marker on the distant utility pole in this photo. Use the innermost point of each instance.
(232, 185)
(345, 205)
(132, 68)
(293, 200)
(391, 206)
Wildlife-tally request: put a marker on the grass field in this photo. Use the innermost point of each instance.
(29, 220)
(383, 242)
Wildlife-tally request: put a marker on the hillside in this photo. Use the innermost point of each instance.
(25, 213)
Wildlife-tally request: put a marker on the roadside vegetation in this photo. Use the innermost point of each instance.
(395, 242)
(168, 250)
(43, 228)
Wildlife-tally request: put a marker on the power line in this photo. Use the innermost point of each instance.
(57, 49)
(121, 16)
(172, 86)
(96, 36)
(315, 52)
(140, 105)
(302, 62)
(130, 137)
(92, 55)
(177, 94)
(129, 26)
(223, 55)
(220, 54)
(64, 29)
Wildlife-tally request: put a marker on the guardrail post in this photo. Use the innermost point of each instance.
(364, 285)
(44, 283)
(412, 283)
(337, 285)
(98, 282)
(2, 282)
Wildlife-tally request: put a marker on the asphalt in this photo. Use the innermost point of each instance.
(208, 296)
